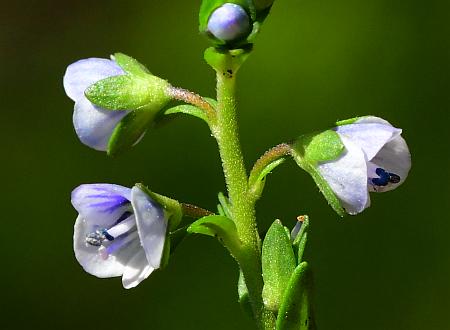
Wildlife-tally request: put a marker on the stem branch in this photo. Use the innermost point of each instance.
(194, 99)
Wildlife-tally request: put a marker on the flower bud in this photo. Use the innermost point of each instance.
(229, 22)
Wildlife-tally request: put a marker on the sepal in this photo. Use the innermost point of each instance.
(278, 264)
(128, 92)
(130, 130)
(130, 65)
(226, 62)
(309, 150)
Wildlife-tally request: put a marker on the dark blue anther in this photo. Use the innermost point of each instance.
(107, 235)
(385, 177)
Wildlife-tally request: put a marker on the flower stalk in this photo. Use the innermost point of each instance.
(226, 133)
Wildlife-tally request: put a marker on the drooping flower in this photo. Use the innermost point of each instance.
(359, 156)
(93, 124)
(118, 232)
(105, 92)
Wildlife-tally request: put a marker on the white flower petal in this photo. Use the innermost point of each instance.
(136, 270)
(101, 204)
(371, 137)
(372, 120)
(93, 125)
(151, 224)
(83, 73)
(395, 158)
(347, 177)
(92, 261)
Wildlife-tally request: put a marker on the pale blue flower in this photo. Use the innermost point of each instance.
(93, 124)
(376, 159)
(118, 232)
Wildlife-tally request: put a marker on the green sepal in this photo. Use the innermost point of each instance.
(187, 109)
(167, 250)
(263, 4)
(130, 65)
(130, 129)
(311, 149)
(348, 121)
(257, 184)
(244, 298)
(176, 237)
(300, 240)
(226, 62)
(172, 207)
(320, 147)
(128, 92)
(278, 263)
(295, 312)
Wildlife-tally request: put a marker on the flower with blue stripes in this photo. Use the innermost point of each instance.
(119, 232)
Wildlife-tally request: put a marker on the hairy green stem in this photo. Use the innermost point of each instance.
(194, 211)
(189, 97)
(226, 133)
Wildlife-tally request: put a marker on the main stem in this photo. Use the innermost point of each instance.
(226, 133)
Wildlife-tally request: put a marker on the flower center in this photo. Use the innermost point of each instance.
(109, 240)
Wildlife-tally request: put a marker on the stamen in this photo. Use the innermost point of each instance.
(118, 243)
(96, 238)
(122, 227)
(297, 227)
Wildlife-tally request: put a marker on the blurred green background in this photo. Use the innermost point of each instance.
(315, 61)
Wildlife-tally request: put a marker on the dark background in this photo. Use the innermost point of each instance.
(315, 61)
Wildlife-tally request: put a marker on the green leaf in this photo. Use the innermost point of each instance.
(129, 130)
(130, 65)
(128, 92)
(244, 298)
(218, 226)
(278, 263)
(257, 185)
(296, 309)
(187, 109)
(225, 203)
